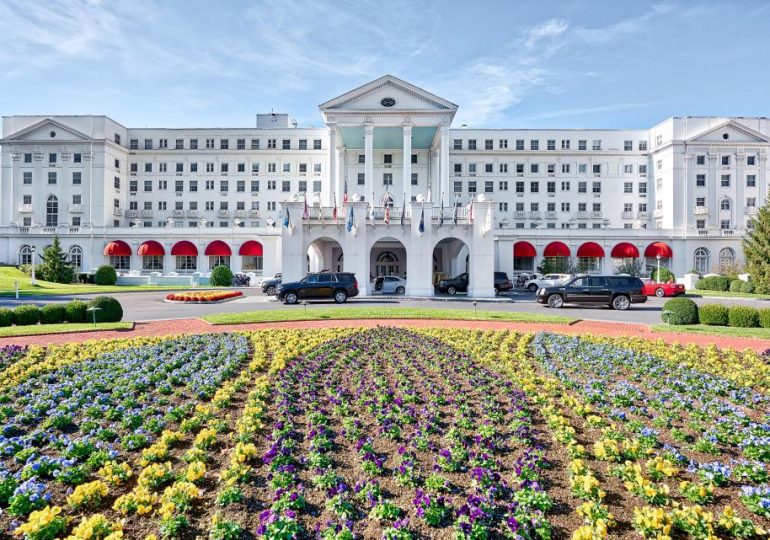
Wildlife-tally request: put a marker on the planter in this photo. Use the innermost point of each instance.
(202, 297)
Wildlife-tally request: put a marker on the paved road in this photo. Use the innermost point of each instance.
(143, 306)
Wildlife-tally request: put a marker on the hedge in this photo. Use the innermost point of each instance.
(764, 317)
(747, 287)
(681, 311)
(26, 315)
(76, 311)
(735, 285)
(713, 283)
(109, 310)
(6, 317)
(743, 317)
(53, 313)
(105, 275)
(714, 314)
(221, 276)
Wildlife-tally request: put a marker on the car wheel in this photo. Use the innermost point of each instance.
(497, 291)
(270, 291)
(621, 302)
(340, 296)
(451, 290)
(290, 298)
(556, 301)
(400, 290)
(659, 292)
(532, 287)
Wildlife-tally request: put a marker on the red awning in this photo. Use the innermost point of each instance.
(184, 248)
(150, 248)
(117, 248)
(252, 248)
(625, 250)
(523, 249)
(217, 248)
(590, 249)
(556, 249)
(659, 248)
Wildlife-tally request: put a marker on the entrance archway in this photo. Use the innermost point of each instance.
(325, 255)
(387, 258)
(451, 258)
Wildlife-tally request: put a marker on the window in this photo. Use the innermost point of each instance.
(414, 159)
(751, 160)
(724, 204)
(133, 144)
(724, 224)
(700, 180)
(286, 186)
(582, 168)
(27, 199)
(271, 167)
(117, 164)
(658, 140)
(642, 207)
(565, 144)
(551, 144)
(179, 144)
(642, 169)
(489, 187)
(77, 178)
(488, 144)
(27, 178)
(255, 144)
(725, 182)
(241, 167)
(224, 144)
(534, 168)
(162, 143)
(471, 144)
(316, 186)
(51, 158)
(628, 145)
(565, 168)
(551, 168)
(628, 169)
(642, 188)
(148, 144)
(148, 167)
(254, 187)
(52, 211)
(316, 144)
(596, 168)
(725, 160)
(224, 167)
(133, 186)
(240, 186)
(597, 144)
(224, 186)
(519, 187)
(502, 144)
(534, 187)
(502, 207)
(240, 144)
(488, 167)
(700, 201)
(161, 167)
(193, 144)
(387, 179)
(628, 187)
(700, 223)
(534, 144)
(209, 206)
(582, 145)
(387, 159)
(519, 168)
(286, 144)
(597, 187)
(302, 186)
(751, 202)
(457, 186)
(162, 205)
(458, 167)
(534, 207)
(565, 185)
(414, 179)
(751, 180)
(519, 144)
(700, 159)
(179, 186)
(180, 167)
(565, 207)
(457, 144)
(642, 146)
(550, 187)
(163, 184)
(726, 260)
(582, 187)
(361, 179)
(134, 168)
(472, 186)
(628, 207)
(52, 178)
(255, 167)
(582, 207)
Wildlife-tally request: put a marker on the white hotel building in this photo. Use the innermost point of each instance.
(166, 205)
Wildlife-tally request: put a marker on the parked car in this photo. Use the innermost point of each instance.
(269, 286)
(338, 286)
(617, 292)
(651, 288)
(460, 283)
(390, 285)
(547, 280)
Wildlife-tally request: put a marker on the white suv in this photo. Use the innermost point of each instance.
(547, 280)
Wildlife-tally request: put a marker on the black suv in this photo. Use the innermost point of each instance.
(617, 292)
(460, 283)
(337, 285)
(270, 285)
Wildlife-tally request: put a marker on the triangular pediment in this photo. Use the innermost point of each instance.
(41, 131)
(386, 94)
(734, 132)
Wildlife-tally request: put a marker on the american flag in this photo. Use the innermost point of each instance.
(345, 192)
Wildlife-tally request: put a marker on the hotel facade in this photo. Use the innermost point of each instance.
(387, 187)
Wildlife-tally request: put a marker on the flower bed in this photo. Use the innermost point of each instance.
(202, 297)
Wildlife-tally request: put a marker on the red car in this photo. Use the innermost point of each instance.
(663, 289)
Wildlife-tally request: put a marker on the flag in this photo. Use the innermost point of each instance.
(421, 228)
(488, 221)
(441, 212)
(403, 210)
(371, 208)
(454, 214)
(428, 197)
(287, 222)
(387, 215)
(334, 211)
(345, 193)
(321, 214)
(351, 219)
(306, 210)
(470, 211)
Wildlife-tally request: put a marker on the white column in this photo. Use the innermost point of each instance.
(434, 176)
(736, 208)
(443, 186)
(369, 161)
(713, 183)
(762, 180)
(333, 177)
(408, 161)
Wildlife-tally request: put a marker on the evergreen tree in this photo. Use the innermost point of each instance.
(756, 250)
(55, 266)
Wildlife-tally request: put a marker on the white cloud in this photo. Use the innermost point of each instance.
(548, 29)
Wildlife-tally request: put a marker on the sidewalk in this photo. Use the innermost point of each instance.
(199, 326)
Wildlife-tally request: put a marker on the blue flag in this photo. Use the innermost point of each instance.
(421, 228)
(286, 219)
(349, 224)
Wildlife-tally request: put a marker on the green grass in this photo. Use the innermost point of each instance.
(9, 275)
(65, 328)
(726, 294)
(298, 313)
(761, 333)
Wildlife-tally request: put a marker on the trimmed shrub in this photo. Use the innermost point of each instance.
(735, 285)
(26, 315)
(713, 283)
(75, 311)
(105, 275)
(53, 313)
(747, 287)
(110, 309)
(744, 317)
(665, 275)
(764, 317)
(221, 276)
(682, 311)
(6, 317)
(714, 314)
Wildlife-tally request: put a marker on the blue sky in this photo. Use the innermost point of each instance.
(505, 63)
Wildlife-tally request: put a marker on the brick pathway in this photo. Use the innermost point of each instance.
(197, 326)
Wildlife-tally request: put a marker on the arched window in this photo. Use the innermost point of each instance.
(76, 257)
(52, 211)
(25, 255)
(701, 260)
(387, 264)
(725, 204)
(726, 259)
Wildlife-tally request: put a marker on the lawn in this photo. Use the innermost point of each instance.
(762, 333)
(64, 328)
(317, 313)
(9, 275)
(726, 294)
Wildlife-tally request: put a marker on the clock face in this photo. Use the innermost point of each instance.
(387, 102)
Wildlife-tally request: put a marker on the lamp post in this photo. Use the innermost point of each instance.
(657, 275)
(33, 250)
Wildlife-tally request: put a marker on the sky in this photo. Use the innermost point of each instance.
(507, 63)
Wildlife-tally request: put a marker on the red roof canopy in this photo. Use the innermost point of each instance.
(184, 248)
(556, 249)
(151, 248)
(117, 248)
(252, 248)
(625, 250)
(217, 248)
(659, 248)
(523, 249)
(590, 249)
